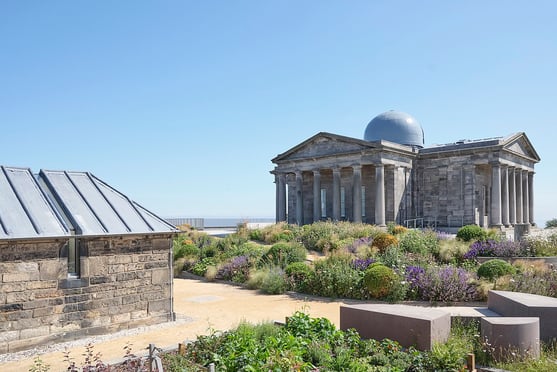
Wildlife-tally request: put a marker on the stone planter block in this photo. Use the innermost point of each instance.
(508, 335)
(408, 325)
(516, 304)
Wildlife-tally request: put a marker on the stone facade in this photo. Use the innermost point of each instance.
(330, 177)
(123, 282)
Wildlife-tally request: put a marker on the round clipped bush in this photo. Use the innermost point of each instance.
(471, 232)
(495, 268)
(283, 254)
(383, 240)
(380, 280)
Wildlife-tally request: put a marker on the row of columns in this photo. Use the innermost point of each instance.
(280, 180)
(512, 199)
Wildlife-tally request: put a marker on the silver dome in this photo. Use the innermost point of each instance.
(395, 126)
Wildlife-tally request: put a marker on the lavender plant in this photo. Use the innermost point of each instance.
(236, 270)
(443, 284)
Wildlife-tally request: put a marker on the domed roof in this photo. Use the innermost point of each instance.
(395, 126)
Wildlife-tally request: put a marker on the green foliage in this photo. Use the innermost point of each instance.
(416, 241)
(334, 277)
(380, 280)
(471, 232)
(542, 247)
(274, 233)
(326, 235)
(551, 223)
(184, 246)
(298, 276)
(200, 267)
(274, 282)
(283, 254)
(39, 365)
(452, 251)
(494, 269)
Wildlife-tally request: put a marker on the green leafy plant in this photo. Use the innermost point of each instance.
(39, 365)
(274, 282)
(494, 269)
(335, 277)
(298, 276)
(283, 254)
(380, 280)
(471, 232)
(551, 223)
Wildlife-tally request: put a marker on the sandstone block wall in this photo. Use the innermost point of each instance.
(124, 282)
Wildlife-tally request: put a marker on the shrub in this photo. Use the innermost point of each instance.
(274, 282)
(283, 254)
(542, 247)
(415, 241)
(493, 248)
(356, 245)
(452, 251)
(331, 235)
(471, 232)
(236, 270)
(443, 284)
(200, 267)
(383, 240)
(494, 269)
(298, 276)
(551, 223)
(335, 277)
(531, 281)
(380, 280)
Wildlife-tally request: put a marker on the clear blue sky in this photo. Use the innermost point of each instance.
(182, 104)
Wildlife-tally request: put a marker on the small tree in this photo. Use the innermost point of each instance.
(551, 223)
(494, 269)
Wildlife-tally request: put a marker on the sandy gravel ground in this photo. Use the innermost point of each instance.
(201, 307)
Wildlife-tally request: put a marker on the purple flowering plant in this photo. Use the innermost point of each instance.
(361, 263)
(441, 284)
(236, 269)
(493, 248)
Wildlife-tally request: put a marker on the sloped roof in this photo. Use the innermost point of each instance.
(57, 202)
(327, 144)
(516, 143)
(25, 211)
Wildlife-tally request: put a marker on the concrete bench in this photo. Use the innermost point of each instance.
(507, 335)
(516, 304)
(409, 325)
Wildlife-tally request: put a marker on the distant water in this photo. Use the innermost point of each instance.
(217, 222)
(233, 222)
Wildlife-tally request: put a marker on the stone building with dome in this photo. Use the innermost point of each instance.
(391, 176)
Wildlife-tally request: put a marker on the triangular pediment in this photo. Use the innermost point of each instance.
(520, 145)
(324, 144)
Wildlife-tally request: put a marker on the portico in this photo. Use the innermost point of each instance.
(395, 179)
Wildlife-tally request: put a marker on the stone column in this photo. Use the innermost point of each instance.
(357, 193)
(380, 195)
(505, 195)
(336, 194)
(316, 195)
(299, 199)
(280, 180)
(512, 196)
(531, 197)
(519, 215)
(495, 195)
(525, 198)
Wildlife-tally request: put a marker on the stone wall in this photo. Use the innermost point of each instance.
(124, 282)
